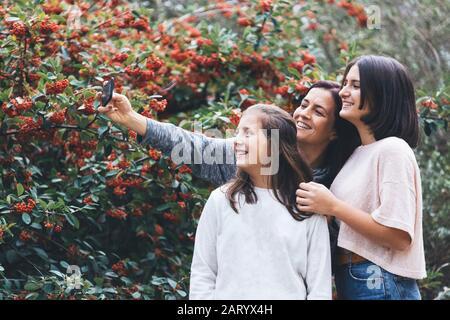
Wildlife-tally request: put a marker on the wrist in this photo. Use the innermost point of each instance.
(337, 208)
(136, 122)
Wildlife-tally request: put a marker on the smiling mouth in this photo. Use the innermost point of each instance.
(241, 152)
(346, 104)
(302, 125)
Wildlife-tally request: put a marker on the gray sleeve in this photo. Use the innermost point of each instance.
(211, 159)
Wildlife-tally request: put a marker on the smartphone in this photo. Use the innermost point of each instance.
(107, 93)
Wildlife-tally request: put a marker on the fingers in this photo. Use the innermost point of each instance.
(302, 193)
(303, 201)
(304, 208)
(106, 109)
(117, 97)
(306, 186)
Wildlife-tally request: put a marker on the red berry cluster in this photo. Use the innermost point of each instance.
(48, 27)
(159, 231)
(120, 191)
(25, 236)
(117, 213)
(88, 106)
(235, 117)
(154, 63)
(179, 55)
(204, 42)
(17, 106)
(23, 207)
(58, 117)
(265, 5)
(298, 65)
(18, 28)
(354, 10)
(57, 87)
(141, 24)
(139, 74)
(52, 8)
(154, 154)
(147, 113)
(158, 105)
(301, 88)
(205, 62)
(124, 164)
(185, 169)
(73, 250)
(169, 216)
(29, 124)
(429, 104)
(134, 182)
(137, 212)
(129, 21)
(120, 57)
(88, 200)
(48, 225)
(244, 22)
(119, 268)
(308, 58)
(77, 149)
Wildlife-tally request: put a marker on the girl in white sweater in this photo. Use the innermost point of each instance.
(252, 242)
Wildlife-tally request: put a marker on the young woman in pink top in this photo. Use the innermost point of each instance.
(377, 195)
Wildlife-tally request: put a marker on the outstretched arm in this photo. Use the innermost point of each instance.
(212, 159)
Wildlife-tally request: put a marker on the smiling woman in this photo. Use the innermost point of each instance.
(325, 139)
(377, 195)
(251, 241)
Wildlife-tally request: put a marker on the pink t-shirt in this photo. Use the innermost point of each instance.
(383, 179)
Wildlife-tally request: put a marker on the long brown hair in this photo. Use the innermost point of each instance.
(293, 169)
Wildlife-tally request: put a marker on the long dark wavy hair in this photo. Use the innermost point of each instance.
(292, 170)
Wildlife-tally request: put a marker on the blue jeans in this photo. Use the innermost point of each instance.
(368, 281)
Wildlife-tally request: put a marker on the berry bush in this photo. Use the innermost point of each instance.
(77, 190)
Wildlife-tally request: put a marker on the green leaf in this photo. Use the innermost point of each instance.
(26, 218)
(20, 189)
(136, 295)
(102, 131)
(41, 253)
(172, 283)
(163, 207)
(36, 226)
(73, 221)
(182, 293)
(32, 286)
(295, 72)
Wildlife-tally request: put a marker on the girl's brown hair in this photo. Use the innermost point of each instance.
(292, 170)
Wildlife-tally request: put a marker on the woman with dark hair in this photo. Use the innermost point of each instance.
(252, 242)
(325, 139)
(377, 195)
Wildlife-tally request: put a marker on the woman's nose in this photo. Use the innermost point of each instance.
(306, 113)
(344, 92)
